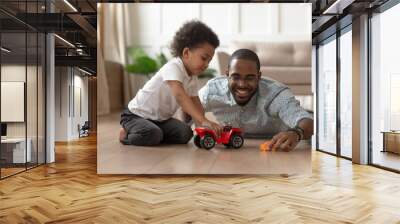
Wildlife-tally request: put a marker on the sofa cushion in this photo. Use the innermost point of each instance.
(303, 90)
(288, 75)
(278, 53)
(302, 54)
(285, 62)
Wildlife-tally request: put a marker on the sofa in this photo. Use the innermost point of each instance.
(286, 62)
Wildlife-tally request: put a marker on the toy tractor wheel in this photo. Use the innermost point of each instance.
(207, 142)
(196, 141)
(236, 141)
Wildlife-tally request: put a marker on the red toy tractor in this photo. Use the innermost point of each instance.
(207, 138)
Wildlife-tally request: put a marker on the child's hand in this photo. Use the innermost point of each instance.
(216, 127)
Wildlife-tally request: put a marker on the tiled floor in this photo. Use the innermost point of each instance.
(115, 158)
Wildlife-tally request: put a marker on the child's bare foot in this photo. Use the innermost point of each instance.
(122, 134)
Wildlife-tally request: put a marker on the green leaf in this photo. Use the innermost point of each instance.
(161, 60)
(142, 65)
(136, 52)
(208, 73)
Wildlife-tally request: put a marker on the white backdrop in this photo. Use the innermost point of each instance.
(152, 26)
(12, 101)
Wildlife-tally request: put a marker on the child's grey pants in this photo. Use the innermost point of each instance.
(144, 132)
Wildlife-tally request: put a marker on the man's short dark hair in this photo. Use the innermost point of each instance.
(190, 35)
(245, 54)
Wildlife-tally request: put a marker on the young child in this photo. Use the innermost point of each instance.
(148, 119)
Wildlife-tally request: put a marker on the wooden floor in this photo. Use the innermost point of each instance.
(387, 159)
(70, 191)
(116, 158)
(10, 171)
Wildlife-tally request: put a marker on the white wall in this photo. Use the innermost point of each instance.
(80, 98)
(34, 124)
(12, 100)
(70, 84)
(61, 103)
(152, 26)
(17, 73)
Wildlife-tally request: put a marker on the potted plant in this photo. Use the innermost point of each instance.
(142, 63)
(141, 68)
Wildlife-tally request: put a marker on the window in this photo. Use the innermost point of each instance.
(22, 77)
(346, 93)
(327, 96)
(385, 89)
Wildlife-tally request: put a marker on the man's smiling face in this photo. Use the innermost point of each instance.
(243, 77)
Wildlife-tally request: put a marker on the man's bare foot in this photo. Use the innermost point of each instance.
(122, 134)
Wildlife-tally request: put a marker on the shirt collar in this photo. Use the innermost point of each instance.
(179, 60)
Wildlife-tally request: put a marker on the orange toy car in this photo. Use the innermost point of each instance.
(265, 146)
(207, 138)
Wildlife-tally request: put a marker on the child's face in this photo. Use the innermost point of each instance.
(196, 59)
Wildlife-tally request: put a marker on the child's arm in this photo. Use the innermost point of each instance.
(199, 106)
(197, 103)
(190, 107)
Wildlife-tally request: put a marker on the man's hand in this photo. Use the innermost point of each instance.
(286, 141)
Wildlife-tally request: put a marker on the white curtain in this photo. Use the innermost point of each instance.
(115, 36)
(103, 101)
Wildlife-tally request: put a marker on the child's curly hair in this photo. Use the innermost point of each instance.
(191, 34)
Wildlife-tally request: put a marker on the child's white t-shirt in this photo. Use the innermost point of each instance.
(155, 100)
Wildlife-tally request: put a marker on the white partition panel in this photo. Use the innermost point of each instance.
(12, 101)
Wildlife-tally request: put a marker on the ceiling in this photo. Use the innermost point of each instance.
(76, 21)
(329, 16)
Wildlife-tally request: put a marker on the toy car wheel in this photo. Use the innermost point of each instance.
(207, 142)
(196, 141)
(236, 141)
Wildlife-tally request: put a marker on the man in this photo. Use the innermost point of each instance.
(264, 108)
